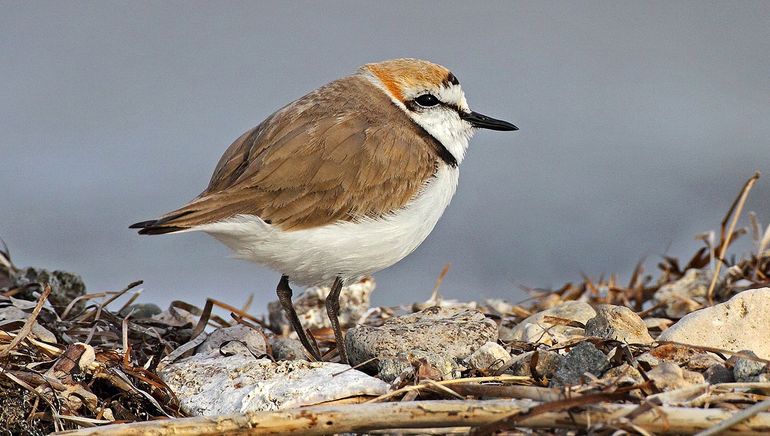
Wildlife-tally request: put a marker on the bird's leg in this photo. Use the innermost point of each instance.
(333, 309)
(284, 296)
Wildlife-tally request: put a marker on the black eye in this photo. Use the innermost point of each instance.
(427, 100)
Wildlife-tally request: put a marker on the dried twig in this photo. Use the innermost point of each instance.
(726, 238)
(28, 323)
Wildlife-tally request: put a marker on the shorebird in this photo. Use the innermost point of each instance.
(341, 183)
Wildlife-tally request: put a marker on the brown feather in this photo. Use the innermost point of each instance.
(342, 152)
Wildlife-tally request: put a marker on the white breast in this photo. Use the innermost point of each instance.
(349, 249)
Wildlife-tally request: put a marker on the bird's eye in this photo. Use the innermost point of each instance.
(427, 100)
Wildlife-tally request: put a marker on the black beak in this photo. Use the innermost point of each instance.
(484, 122)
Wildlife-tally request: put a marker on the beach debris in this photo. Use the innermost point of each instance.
(684, 295)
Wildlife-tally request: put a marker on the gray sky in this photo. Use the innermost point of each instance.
(639, 122)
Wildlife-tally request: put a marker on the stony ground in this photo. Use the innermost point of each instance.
(686, 339)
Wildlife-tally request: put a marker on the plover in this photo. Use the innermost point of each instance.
(341, 183)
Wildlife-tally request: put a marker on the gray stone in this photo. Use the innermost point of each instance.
(545, 367)
(65, 286)
(238, 339)
(287, 349)
(747, 370)
(489, 358)
(718, 374)
(451, 333)
(618, 323)
(311, 307)
(738, 324)
(209, 385)
(684, 295)
(584, 358)
(539, 329)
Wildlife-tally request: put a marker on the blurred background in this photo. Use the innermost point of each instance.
(639, 123)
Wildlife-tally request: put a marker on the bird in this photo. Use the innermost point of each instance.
(341, 183)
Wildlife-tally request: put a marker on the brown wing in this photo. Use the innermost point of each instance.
(338, 154)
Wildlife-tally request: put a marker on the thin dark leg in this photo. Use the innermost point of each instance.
(284, 296)
(333, 309)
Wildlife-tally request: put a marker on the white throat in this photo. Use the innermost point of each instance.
(443, 124)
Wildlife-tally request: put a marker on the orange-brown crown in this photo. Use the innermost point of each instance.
(401, 75)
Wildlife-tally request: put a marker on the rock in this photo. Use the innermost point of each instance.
(702, 361)
(623, 375)
(141, 311)
(538, 328)
(451, 333)
(287, 349)
(659, 324)
(718, 374)
(746, 370)
(738, 324)
(489, 358)
(618, 323)
(505, 334)
(668, 376)
(65, 286)
(584, 358)
(311, 307)
(684, 295)
(440, 367)
(545, 366)
(238, 339)
(13, 313)
(176, 317)
(215, 385)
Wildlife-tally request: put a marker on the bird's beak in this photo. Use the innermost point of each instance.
(484, 122)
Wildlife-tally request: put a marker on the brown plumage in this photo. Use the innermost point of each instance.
(323, 158)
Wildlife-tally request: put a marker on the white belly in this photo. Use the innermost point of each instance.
(349, 250)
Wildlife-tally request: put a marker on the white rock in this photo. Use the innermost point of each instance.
(490, 357)
(684, 295)
(537, 328)
(216, 385)
(742, 323)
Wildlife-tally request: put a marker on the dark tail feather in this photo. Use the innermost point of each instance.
(159, 226)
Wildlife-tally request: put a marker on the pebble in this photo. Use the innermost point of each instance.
(545, 367)
(718, 374)
(447, 332)
(491, 357)
(737, 324)
(668, 376)
(747, 370)
(287, 349)
(618, 323)
(583, 358)
(238, 339)
(684, 295)
(537, 329)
